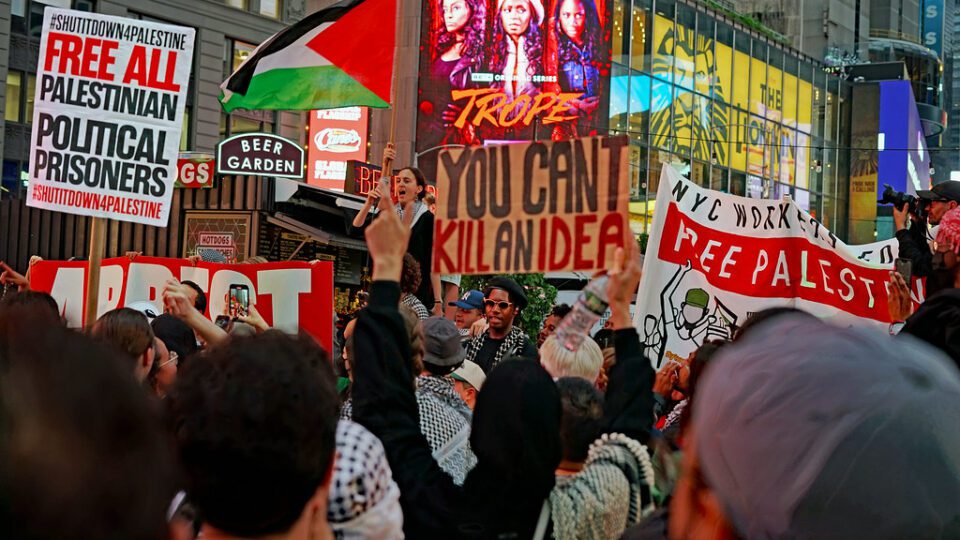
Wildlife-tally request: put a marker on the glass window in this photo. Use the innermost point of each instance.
(684, 124)
(185, 131)
(18, 17)
(621, 35)
(239, 124)
(638, 37)
(664, 42)
(31, 90)
(661, 123)
(14, 91)
(638, 171)
(639, 106)
(738, 183)
(700, 174)
(718, 179)
(241, 51)
(270, 8)
(239, 4)
(619, 92)
(36, 19)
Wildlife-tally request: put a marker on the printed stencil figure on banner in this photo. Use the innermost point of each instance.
(691, 322)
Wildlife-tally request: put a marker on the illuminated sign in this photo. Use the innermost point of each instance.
(195, 170)
(511, 70)
(336, 137)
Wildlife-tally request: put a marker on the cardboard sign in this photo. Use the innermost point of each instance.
(535, 207)
(713, 259)
(263, 154)
(289, 295)
(108, 113)
(336, 137)
(195, 170)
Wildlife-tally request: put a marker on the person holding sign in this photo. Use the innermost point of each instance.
(411, 188)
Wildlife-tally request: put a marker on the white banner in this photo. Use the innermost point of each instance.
(713, 259)
(108, 112)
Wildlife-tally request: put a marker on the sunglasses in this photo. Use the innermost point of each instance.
(488, 303)
(174, 358)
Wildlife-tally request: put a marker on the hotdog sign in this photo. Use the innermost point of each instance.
(290, 296)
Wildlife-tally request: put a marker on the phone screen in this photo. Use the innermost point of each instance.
(239, 300)
(904, 267)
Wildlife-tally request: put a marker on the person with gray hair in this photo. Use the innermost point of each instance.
(849, 435)
(585, 362)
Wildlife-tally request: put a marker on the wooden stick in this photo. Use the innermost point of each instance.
(98, 238)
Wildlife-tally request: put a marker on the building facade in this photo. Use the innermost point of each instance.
(226, 33)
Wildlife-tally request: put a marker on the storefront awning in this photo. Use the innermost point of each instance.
(314, 233)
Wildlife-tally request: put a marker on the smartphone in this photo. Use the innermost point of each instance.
(239, 300)
(904, 267)
(223, 321)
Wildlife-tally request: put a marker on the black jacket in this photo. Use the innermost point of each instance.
(517, 451)
(914, 246)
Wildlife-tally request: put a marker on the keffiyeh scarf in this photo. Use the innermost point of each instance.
(611, 493)
(512, 344)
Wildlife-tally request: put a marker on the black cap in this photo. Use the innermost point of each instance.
(517, 295)
(944, 191)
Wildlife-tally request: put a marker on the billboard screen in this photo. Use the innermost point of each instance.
(511, 70)
(336, 136)
(904, 161)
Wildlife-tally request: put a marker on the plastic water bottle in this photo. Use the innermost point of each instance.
(590, 306)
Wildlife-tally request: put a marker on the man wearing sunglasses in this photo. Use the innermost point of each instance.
(503, 300)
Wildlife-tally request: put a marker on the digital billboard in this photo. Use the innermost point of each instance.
(723, 106)
(904, 161)
(336, 137)
(511, 70)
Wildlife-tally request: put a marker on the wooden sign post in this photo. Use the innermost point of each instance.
(98, 237)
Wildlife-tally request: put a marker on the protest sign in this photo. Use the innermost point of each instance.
(713, 259)
(289, 295)
(108, 114)
(534, 207)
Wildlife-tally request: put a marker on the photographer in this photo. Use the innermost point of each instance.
(912, 233)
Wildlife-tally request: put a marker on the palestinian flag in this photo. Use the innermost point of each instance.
(341, 56)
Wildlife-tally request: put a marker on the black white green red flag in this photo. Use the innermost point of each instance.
(340, 56)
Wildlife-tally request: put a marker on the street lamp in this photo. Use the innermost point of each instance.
(416, 157)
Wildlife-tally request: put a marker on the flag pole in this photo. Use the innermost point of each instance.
(393, 86)
(98, 237)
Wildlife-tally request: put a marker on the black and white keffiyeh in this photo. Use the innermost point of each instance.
(444, 421)
(416, 305)
(512, 344)
(364, 500)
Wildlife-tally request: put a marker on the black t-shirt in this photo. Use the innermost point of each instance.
(488, 351)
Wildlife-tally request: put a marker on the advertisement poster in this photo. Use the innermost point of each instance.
(713, 259)
(109, 110)
(536, 207)
(227, 233)
(290, 296)
(336, 137)
(511, 70)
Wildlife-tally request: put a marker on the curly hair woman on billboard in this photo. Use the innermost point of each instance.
(458, 53)
(517, 46)
(579, 55)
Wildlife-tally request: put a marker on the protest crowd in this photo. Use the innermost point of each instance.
(157, 425)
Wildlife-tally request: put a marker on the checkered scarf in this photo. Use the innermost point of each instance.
(364, 500)
(512, 344)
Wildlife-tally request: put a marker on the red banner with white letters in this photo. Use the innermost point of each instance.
(290, 296)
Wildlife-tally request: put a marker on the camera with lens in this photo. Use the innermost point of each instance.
(900, 199)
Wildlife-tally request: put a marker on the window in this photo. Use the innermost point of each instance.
(270, 8)
(26, 16)
(31, 91)
(14, 93)
(267, 8)
(235, 53)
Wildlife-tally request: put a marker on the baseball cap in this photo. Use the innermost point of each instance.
(845, 436)
(470, 373)
(469, 300)
(944, 191)
(441, 345)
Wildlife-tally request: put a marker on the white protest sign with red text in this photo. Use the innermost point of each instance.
(713, 259)
(534, 207)
(108, 113)
(289, 295)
